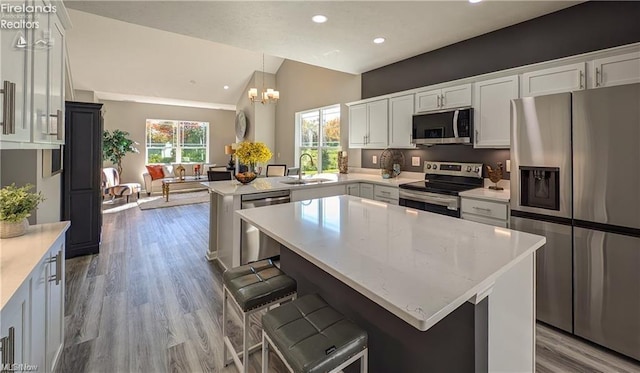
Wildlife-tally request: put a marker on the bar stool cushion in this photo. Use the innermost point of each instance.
(312, 336)
(258, 283)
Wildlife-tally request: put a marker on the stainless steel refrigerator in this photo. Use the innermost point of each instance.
(576, 179)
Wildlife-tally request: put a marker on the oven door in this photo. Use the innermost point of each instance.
(431, 202)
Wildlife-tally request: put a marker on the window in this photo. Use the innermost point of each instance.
(172, 141)
(318, 134)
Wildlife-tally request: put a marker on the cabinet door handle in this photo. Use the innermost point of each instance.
(581, 77)
(481, 209)
(58, 260)
(8, 108)
(438, 101)
(442, 100)
(477, 136)
(60, 129)
(7, 347)
(597, 77)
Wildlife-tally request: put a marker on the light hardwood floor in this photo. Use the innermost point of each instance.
(150, 302)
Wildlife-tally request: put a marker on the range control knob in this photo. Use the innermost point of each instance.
(428, 166)
(468, 168)
(435, 166)
(476, 170)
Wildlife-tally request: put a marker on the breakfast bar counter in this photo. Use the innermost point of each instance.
(407, 275)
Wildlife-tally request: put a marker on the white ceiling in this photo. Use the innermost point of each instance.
(220, 41)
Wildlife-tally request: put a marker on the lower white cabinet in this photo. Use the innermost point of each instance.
(485, 211)
(366, 190)
(492, 104)
(304, 194)
(353, 189)
(32, 322)
(386, 194)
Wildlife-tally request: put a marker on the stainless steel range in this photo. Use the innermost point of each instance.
(439, 191)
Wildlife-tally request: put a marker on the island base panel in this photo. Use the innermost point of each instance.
(458, 343)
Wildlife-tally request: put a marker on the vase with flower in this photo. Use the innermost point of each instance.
(250, 154)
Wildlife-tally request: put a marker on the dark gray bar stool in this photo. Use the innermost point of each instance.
(310, 336)
(253, 287)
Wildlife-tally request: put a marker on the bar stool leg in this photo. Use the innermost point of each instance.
(224, 325)
(245, 343)
(265, 354)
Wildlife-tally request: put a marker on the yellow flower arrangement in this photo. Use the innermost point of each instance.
(253, 152)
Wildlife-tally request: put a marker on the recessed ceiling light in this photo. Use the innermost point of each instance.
(226, 87)
(378, 40)
(474, 1)
(319, 18)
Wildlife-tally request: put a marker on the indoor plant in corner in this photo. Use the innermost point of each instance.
(250, 153)
(115, 145)
(16, 205)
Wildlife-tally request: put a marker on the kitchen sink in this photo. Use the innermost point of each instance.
(305, 181)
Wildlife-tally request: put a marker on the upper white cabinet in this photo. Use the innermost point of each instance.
(492, 111)
(616, 70)
(554, 80)
(16, 126)
(445, 98)
(400, 121)
(368, 124)
(33, 70)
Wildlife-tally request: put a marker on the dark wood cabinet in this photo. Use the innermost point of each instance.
(81, 181)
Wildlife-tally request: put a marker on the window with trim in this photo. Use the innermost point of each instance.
(177, 141)
(318, 134)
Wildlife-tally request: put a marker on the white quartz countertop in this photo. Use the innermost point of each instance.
(488, 194)
(20, 255)
(265, 184)
(419, 266)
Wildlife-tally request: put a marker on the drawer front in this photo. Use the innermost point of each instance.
(483, 220)
(385, 192)
(484, 208)
(387, 200)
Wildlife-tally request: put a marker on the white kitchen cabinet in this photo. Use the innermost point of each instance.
(492, 110)
(353, 189)
(366, 190)
(14, 326)
(554, 80)
(307, 193)
(616, 70)
(368, 124)
(34, 60)
(14, 82)
(444, 98)
(400, 121)
(485, 211)
(35, 311)
(48, 80)
(55, 306)
(386, 194)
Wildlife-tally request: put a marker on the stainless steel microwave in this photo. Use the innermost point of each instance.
(444, 127)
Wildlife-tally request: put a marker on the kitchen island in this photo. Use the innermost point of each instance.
(226, 197)
(434, 293)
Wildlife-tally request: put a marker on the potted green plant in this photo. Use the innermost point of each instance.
(115, 145)
(16, 205)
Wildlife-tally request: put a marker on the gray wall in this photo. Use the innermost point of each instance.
(304, 87)
(132, 117)
(450, 153)
(25, 167)
(586, 27)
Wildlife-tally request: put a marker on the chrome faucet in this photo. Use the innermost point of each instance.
(300, 163)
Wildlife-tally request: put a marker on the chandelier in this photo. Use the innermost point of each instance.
(267, 96)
